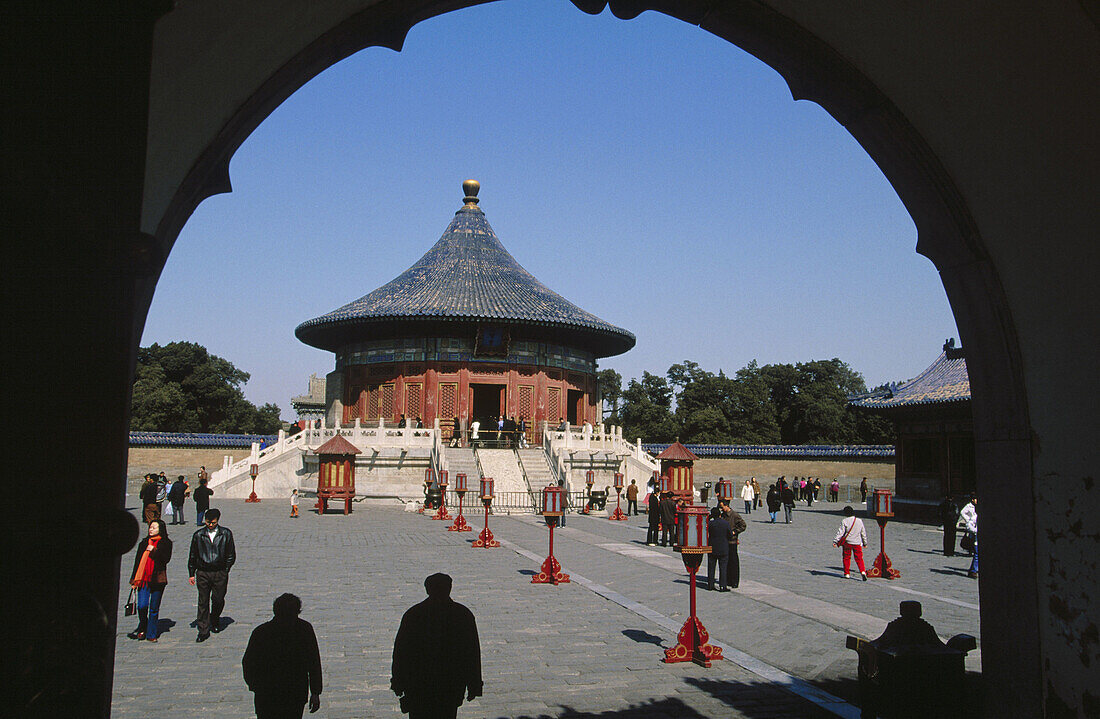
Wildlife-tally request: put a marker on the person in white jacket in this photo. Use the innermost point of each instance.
(748, 494)
(969, 516)
(852, 538)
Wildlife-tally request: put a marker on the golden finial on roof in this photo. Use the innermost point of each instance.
(470, 187)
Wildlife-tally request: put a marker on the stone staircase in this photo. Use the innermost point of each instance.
(501, 465)
(535, 466)
(462, 460)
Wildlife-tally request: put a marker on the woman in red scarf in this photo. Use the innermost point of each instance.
(149, 578)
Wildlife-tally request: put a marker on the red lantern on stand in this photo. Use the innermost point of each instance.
(253, 470)
(429, 479)
(725, 491)
(553, 506)
(618, 515)
(692, 643)
(589, 480)
(460, 524)
(485, 539)
(882, 507)
(442, 484)
(336, 473)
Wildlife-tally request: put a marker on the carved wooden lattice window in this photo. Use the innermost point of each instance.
(553, 405)
(387, 401)
(526, 408)
(447, 394)
(370, 402)
(412, 400)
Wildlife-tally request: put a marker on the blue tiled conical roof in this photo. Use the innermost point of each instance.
(466, 276)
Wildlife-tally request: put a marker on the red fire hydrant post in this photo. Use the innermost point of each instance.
(552, 509)
(692, 643)
(442, 512)
(253, 470)
(485, 539)
(460, 524)
(883, 511)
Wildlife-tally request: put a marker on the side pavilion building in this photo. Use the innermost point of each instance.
(464, 334)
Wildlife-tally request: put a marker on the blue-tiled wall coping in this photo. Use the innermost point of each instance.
(197, 439)
(838, 451)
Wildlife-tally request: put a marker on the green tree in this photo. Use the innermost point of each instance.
(646, 410)
(181, 387)
(611, 390)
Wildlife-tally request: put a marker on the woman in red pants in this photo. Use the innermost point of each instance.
(851, 537)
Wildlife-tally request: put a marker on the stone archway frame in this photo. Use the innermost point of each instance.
(947, 235)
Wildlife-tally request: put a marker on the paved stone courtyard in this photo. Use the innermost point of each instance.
(591, 648)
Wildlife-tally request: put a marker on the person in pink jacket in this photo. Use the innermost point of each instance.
(851, 537)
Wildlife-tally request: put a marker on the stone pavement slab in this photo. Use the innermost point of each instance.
(548, 652)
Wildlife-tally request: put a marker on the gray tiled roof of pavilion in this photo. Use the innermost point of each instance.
(946, 380)
(467, 275)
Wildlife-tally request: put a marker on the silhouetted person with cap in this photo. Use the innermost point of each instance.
(436, 655)
(282, 664)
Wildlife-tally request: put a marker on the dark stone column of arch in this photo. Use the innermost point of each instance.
(76, 97)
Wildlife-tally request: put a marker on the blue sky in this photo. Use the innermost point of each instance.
(646, 170)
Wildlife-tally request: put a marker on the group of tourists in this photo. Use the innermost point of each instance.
(161, 499)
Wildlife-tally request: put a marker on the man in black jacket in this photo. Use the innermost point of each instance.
(668, 519)
(436, 655)
(720, 536)
(654, 510)
(175, 496)
(282, 664)
(212, 556)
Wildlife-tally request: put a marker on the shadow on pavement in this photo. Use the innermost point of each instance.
(646, 710)
(759, 699)
(949, 570)
(642, 637)
(528, 572)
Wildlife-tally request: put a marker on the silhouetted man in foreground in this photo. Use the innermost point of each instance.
(282, 664)
(436, 655)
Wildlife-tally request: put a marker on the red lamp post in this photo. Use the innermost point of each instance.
(442, 513)
(253, 470)
(882, 505)
(485, 539)
(460, 524)
(692, 643)
(552, 509)
(725, 491)
(618, 515)
(589, 480)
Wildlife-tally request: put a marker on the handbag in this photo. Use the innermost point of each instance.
(967, 542)
(131, 606)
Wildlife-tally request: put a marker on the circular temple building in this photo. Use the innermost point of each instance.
(464, 334)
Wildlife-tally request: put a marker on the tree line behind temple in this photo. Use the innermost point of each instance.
(804, 403)
(181, 387)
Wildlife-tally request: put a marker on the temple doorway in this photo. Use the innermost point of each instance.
(486, 405)
(574, 407)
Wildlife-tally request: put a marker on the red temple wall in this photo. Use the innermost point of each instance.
(443, 389)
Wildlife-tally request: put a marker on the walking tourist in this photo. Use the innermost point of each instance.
(817, 489)
(632, 497)
(738, 526)
(456, 433)
(436, 655)
(212, 556)
(756, 494)
(808, 492)
(863, 490)
(772, 500)
(949, 517)
(788, 504)
(969, 515)
(176, 495)
(149, 578)
(294, 502)
(282, 663)
(851, 537)
(150, 509)
(834, 491)
(202, 496)
(654, 511)
(747, 496)
(720, 537)
(668, 519)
